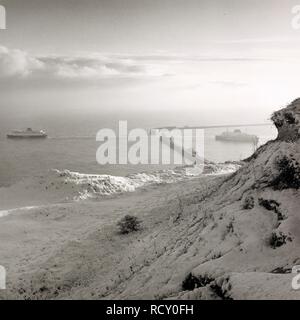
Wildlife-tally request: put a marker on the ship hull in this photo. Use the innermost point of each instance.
(12, 136)
(237, 139)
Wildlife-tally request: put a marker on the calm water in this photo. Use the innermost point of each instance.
(71, 145)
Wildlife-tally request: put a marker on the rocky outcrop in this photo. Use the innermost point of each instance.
(287, 122)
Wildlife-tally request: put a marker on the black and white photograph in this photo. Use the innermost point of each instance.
(150, 150)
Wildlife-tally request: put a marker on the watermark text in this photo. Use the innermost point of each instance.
(2, 18)
(296, 17)
(296, 278)
(2, 278)
(155, 146)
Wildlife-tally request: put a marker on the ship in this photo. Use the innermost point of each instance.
(27, 134)
(237, 136)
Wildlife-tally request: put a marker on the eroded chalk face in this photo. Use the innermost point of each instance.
(2, 278)
(2, 18)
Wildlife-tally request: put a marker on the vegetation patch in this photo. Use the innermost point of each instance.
(289, 117)
(220, 292)
(129, 224)
(248, 203)
(191, 282)
(282, 270)
(289, 174)
(271, 205)
(278, 239)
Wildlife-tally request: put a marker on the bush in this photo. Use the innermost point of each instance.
(248, 203)
(290, 119)
(191, 282)
(220, 292)
(277, 119)
(230, 227)
(278, 240)
(282, 270)
(129, 224)
(271, 205)
(289, 174)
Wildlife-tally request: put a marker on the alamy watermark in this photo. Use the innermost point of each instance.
(296, 278)
(2, 18)
(2, 278)
(156, 146)
(296, 17)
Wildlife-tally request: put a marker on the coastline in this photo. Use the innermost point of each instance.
(36, 238)
(64, 186)
(227, 237)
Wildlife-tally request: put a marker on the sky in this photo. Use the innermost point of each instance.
(182, 62)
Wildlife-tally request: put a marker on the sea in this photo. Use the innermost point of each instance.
(70, 151)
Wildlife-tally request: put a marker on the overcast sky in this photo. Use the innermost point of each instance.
(194, 58)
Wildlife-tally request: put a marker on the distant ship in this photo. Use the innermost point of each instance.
(237, 136)
(27, 134)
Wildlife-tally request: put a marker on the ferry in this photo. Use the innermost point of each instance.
(237, 136)
(27, 134)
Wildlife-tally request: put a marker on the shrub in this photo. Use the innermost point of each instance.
(248, 203)
(271, 205)
(282, 270)
(129, 224)
(290, 119)
(230, 227)
(277, 119)
(216, 256)
(191, 282)
(220, 292)
(278, 240)
(289, 174)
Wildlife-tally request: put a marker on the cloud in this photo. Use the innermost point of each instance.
(22, 65)
(97, 67)
(20, 70)
(191, 58)
(229, 84)
(271, 40)
(18, 64)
